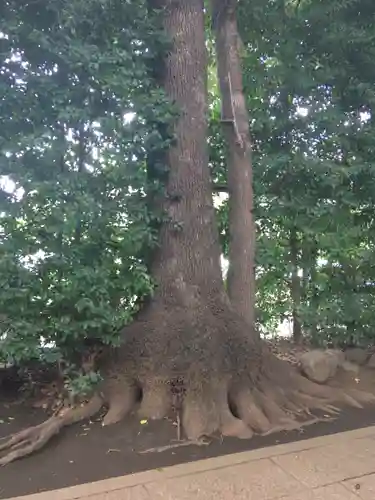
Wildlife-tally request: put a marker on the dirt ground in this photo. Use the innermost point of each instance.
(88, 452)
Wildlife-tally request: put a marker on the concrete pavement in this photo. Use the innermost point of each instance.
(336, 467)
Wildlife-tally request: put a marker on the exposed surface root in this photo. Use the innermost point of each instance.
(120, 396)
(201, 410)
(202, 363)
(156, 398)
(32, 439)
(249, 411)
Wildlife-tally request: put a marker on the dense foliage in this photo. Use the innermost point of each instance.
(80, 116)
(309, 81)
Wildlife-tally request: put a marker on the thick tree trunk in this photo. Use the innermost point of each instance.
(189, 243)
(235, 120)
(188, 350)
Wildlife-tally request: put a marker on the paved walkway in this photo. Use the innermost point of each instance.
(338, 467)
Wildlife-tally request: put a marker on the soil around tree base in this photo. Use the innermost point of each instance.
(88, 452)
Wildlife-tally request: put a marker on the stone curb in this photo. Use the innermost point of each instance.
(199, 466)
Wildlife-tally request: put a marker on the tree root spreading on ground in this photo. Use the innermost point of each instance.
(161, 449)
(210, 369)
(34, 438)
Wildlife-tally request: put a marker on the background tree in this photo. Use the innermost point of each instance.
(304, 188)
(235, 124)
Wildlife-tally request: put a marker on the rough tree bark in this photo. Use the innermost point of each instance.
(235, 121)
(189, 348)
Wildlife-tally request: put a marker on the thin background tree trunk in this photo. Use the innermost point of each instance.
(235, 120)
(310, 276)
(295, 286)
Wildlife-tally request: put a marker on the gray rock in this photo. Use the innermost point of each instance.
(357, 355)
(340, 355)
(319, 366)
(371, 362)
(351, 368)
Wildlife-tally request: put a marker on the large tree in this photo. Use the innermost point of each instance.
(188, 347)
